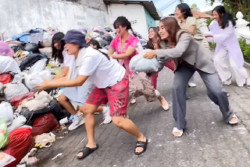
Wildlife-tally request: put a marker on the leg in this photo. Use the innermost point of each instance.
(222, 66)
(118, 99)
(240, 74)
(88, 110)
(181, 78)
(217, 94)
(154, 80)
(64, 101)
(78, 119)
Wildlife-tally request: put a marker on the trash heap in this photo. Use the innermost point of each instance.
(27, 117)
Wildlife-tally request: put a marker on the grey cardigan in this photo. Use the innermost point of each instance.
(189, 50)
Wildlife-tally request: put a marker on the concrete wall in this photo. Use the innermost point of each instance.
(21, 15)
(134, 13)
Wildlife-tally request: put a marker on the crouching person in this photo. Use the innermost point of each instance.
(110, 86)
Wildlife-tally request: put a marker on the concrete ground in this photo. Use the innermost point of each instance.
(207, 142)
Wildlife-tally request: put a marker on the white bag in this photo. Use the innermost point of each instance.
(34, 79)
(140, 64)
(6, 112)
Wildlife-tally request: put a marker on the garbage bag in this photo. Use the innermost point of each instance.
(5, 50)
(44, 124)
(6, 112)
(20, 143)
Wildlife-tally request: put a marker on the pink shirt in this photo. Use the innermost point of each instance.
(130, 42)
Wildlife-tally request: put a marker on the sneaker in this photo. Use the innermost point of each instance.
(191, 84)
(177, 132)
(106, 115)
(77, 121)
(133, 101)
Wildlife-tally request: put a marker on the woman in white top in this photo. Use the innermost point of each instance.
(76, 95)
(227, 48)
(111, 86)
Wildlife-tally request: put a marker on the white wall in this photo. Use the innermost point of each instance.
(134, 13)
(17, 16)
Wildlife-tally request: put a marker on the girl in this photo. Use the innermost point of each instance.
(111, 85)
(76, 95)
(125, 45)
(227, 47)
(189, 57)
(187, 22)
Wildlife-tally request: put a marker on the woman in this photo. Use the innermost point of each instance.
(125, 45)
(189, 57)
(153, 43)
(111, 86)
(58, 54)
(74, 95)
(227, 47)
(187, 22)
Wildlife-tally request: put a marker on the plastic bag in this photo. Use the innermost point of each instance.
(140, 64)
(34, 79)
(6, 112)
(14, 89)
(20, 143)
(3, 133)
(5, 50)
(44, 124)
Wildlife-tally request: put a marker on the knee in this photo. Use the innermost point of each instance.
(86, 111)
(117, 122)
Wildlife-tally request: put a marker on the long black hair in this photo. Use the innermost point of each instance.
(185, 10)
(57, 53)
(123, 21)
(225, 17)
(98, 47)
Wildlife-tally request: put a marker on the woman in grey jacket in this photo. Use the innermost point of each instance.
(189, 56)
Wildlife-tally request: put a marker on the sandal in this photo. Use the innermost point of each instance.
(164, 103)
(177, 132)
(86, 151)
(141, 144)
(234, 120)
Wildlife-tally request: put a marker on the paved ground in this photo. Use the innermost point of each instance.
(208, 141)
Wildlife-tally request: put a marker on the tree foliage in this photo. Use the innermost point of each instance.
(233, 6)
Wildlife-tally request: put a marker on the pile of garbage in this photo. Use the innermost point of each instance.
(27, 116)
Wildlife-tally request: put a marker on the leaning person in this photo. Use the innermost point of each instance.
(189, 56)
(111, 86)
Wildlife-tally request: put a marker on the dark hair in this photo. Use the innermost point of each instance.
(123, 21)
(172, 27)
(98, 47)
(185, 10)
(150, 44)
(225, 17)
(95, 43)
(57, 54)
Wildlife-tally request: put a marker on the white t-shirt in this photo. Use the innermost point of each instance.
(102, 72)
(68, 60)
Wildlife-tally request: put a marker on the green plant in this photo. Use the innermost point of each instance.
(212, 45)
(245, 48)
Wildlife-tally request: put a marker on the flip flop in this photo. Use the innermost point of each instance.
(141, 144)
(86, 151)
